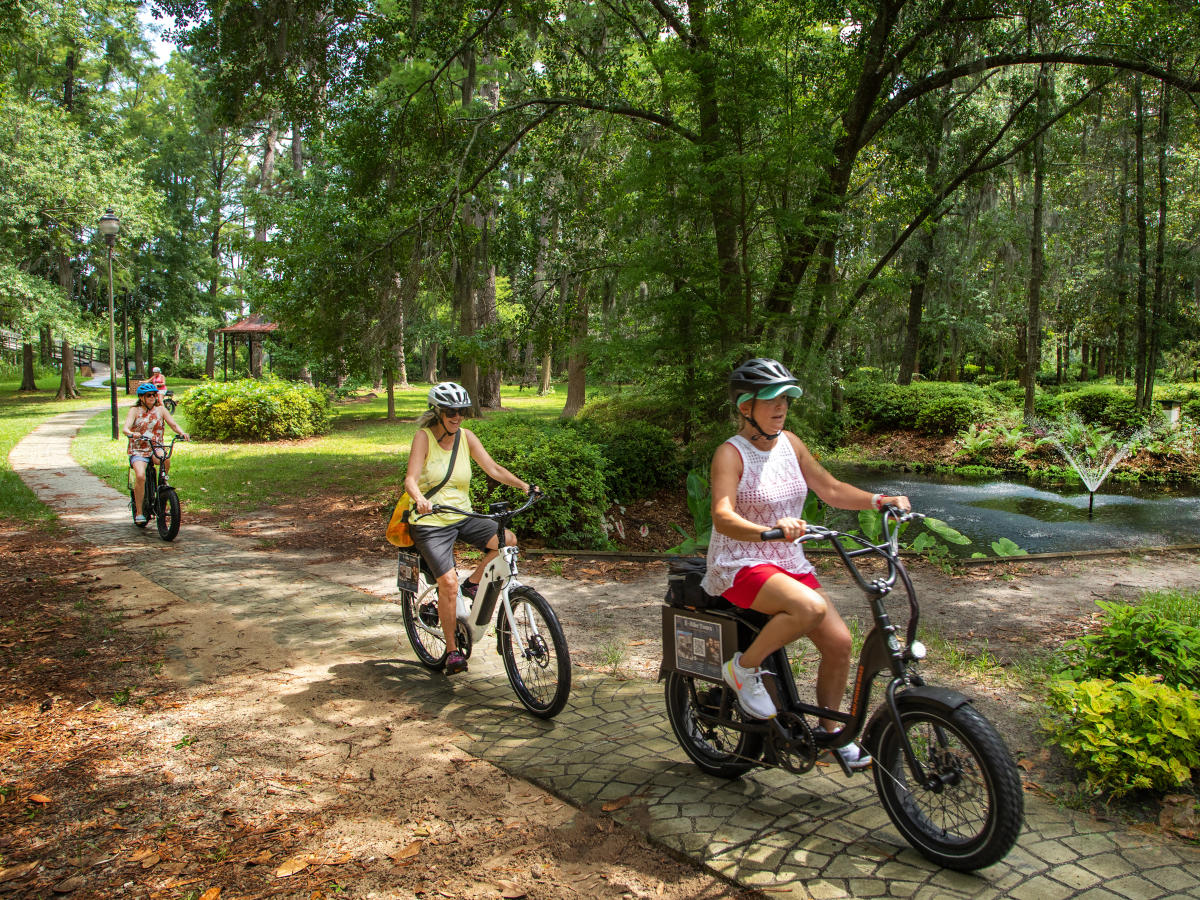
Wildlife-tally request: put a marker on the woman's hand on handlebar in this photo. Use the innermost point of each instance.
(786, 529)
(423, 505)
(899, 502)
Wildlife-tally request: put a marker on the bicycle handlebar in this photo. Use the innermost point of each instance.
(157, 449)
(506, 513)
(889, 548)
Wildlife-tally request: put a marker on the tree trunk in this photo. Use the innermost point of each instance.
(66, 384)
(577, 359)
(297, 153)
(1160, 267)
(254, 352)
(1033, 324)
(28, 381)
(210, 355)
(1142, 345)
(391, 394)
(547, 371)
(139, 365)
(267, 174)
(431, 362)
(923, 253)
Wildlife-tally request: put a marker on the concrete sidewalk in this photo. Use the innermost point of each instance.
(818, 835)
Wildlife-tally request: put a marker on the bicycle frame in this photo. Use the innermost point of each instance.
(499, 576)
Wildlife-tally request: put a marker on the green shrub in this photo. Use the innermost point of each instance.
(569, 469)
(949, 415)
(1191, 409)
(938, 407)
(1048, 406)
(1010, 388)
(1133, 734)
(181, 369)
(1137, 640)
(618, 410)
(640, 458)
(251, 410)
(1109, 406)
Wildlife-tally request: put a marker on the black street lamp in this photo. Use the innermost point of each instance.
(109, 226)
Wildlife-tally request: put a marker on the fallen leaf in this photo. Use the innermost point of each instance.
(150, 861)
(211, 894)
(18, 871)
(613, 805)
(39, 798)
(261, 860)
(407, 852)
(510, 890)
(110, 811)
(74, 883)
(291, 867)
(1026, 764)
(139, 855)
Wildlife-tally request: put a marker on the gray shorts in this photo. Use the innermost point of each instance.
(436, 542)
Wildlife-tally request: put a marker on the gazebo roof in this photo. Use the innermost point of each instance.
(251, 324)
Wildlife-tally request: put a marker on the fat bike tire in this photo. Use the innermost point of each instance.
(422, 625)
(168, 514)
(972, 819)
(540, 674)
(720, 751)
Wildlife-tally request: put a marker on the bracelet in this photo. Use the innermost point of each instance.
(877, 501)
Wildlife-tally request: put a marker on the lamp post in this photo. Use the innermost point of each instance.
(109, 226)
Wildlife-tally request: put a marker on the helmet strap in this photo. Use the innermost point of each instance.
(757, 427)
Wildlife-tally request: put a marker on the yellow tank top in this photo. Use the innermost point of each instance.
(456, 491)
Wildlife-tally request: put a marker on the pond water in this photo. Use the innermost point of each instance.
(1043, 518)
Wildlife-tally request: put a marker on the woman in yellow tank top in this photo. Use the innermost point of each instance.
(434, 536)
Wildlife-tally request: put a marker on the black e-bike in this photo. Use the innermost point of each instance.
(943, 773)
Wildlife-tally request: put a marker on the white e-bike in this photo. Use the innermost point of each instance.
(529, 637)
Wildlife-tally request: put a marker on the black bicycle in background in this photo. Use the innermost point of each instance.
(161, 502)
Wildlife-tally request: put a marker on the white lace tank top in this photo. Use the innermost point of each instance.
(772, 487)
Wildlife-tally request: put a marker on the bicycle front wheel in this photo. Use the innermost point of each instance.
(168, 514)
(970, 814)
(535, 653)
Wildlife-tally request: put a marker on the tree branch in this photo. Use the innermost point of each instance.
(1004, 60)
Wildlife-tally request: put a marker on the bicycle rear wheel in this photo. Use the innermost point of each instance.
(716, 749)
(422, 626)
(536, 657)
(168, 514)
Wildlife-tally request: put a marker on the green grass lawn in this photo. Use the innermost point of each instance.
(20, 414)
(363, 457)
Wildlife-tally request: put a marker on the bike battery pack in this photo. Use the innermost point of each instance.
(697, 643)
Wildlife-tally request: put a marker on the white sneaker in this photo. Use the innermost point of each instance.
(853, 755)
(747, 685)
(139, 520)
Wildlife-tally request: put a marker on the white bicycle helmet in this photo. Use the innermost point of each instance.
(761, 379)
(449, 395)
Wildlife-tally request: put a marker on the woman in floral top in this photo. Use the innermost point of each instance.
(145, 423)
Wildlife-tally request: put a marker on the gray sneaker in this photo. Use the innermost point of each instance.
(747, 686)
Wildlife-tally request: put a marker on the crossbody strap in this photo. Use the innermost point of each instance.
(449, 468)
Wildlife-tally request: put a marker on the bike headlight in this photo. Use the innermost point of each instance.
(917, 650)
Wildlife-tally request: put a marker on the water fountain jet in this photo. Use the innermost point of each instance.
(1096, 451)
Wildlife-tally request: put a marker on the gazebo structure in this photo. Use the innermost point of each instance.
(252, 329)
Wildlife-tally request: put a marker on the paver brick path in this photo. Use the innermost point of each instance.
(819, 835)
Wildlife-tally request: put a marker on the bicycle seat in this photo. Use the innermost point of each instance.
(684, 591)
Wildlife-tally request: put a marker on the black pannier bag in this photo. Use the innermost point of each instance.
(684, 575)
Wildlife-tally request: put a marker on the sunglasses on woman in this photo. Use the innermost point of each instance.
(453, 413)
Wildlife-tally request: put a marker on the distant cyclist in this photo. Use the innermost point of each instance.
(434, 536)
(158, 380)
(144, 423)
(760, 479)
